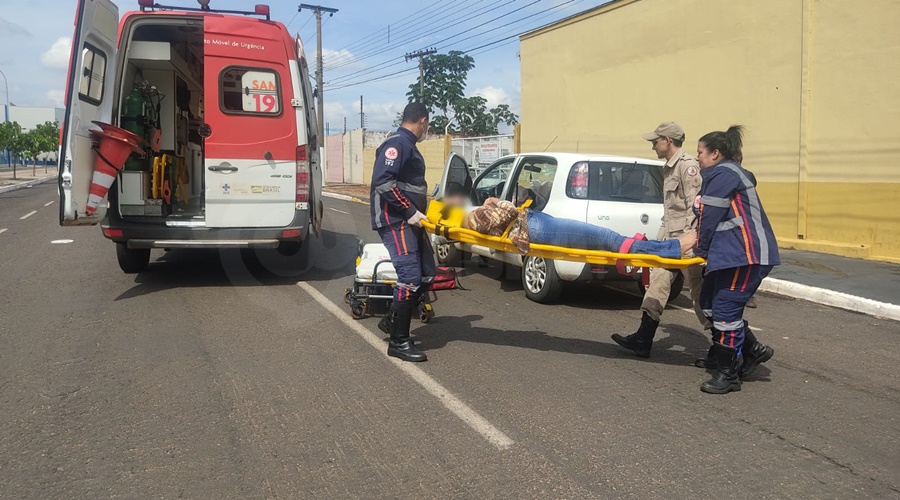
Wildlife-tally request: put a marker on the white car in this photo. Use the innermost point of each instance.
(620, 193)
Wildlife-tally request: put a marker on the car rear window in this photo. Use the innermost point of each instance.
(628, 182)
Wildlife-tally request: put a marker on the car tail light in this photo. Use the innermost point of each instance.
(113, 233)
(302, 175)
(290, 233)
(577, 187)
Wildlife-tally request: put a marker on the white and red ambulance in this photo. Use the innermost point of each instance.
(225, 103)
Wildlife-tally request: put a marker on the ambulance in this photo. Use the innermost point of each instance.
(223, 106)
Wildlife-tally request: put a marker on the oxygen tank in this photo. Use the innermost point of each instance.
(132, 120)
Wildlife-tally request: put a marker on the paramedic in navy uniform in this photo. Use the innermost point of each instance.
(398, 202)
(737, 241)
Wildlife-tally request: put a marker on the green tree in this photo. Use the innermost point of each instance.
(45, 139)
(11, 139)
(444, 94)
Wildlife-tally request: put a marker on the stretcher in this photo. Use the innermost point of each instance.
(447, 221)
(372, 290)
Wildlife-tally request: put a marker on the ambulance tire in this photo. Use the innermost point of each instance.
(540, 281)
(132, 260)
(674, 292)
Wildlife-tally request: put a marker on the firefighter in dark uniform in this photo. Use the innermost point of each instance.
(398, 201)
(737, 241)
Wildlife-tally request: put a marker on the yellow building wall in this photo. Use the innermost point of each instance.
(785, 69)
(433, 152)
(854, 126)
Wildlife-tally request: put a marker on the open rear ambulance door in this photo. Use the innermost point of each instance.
(89, 97)
(251, 152)
(304, 106)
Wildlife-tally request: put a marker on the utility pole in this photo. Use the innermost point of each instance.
(345, 124)
(318, 10)
(420, 54)
(362, 116)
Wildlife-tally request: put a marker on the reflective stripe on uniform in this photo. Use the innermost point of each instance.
(715, 202)
(730, 224)
(728, 327)
(412, 188)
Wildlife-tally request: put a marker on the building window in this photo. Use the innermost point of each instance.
(250, 91)
(93, 73)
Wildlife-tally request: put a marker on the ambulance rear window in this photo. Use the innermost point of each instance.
(254, 91)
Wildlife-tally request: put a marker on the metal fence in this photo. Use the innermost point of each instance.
(480, 152)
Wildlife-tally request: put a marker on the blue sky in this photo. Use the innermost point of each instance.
(35, 37)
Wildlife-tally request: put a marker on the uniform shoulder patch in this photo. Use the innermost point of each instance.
(693, 171)
(391, 153)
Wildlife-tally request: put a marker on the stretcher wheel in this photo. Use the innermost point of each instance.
(347, 293)
(426, 313)
(358, 310)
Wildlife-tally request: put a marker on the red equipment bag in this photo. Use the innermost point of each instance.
(445, 279)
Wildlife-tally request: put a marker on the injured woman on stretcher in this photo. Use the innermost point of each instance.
(533, 226)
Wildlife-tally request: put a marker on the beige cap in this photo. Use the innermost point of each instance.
(666, 129)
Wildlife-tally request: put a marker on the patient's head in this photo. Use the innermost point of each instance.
(454, 200)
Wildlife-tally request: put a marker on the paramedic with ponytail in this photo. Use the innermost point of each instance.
(737, 241)
(398, 201)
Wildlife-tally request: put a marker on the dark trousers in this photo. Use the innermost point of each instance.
(412, 257)
(724, 295)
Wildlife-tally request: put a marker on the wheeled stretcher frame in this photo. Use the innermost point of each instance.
(372, 291)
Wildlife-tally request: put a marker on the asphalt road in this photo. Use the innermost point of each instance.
(220, 375)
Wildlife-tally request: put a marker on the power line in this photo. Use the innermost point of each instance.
(288, 25)
(310, 18)
(480, 49)
(367, 37)
(423, 31)
(370, 68)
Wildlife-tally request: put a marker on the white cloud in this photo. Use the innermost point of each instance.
(342, 59)
(56, 97)
(494, 95)
(57, 56)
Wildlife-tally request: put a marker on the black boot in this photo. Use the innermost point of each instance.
(400, 346)
(386, 321)
(725, 379)
(754, 352)
(707, 363)
(640, 341)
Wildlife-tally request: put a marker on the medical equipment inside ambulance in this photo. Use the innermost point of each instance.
(163, 107)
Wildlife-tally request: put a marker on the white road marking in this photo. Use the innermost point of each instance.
(495, 436)
(48, 203)
(29, 214)
(61, 242)
(336, 210)
(673, 306)
(2, 230)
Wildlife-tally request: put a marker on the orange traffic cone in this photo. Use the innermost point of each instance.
(112, 152)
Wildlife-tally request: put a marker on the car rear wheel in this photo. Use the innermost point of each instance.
(540, 280)
(132, 260)
(446, 252)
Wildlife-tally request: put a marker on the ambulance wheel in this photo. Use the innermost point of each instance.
(132, 260)
(674, 292)
(540, 281)
(296, 250)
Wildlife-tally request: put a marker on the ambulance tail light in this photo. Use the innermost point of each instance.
(302, 175)
(577, 187)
